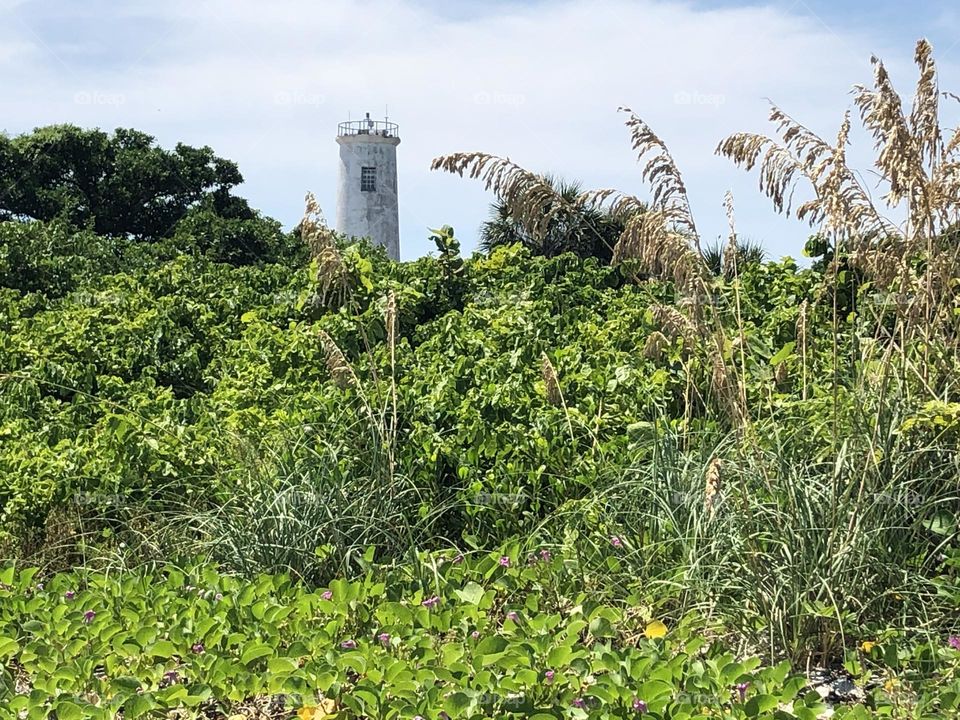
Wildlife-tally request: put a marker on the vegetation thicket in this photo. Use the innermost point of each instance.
(601, 470)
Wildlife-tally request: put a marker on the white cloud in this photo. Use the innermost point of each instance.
(266, 84)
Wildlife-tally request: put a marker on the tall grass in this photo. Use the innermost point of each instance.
(794, 552)
(305, 510)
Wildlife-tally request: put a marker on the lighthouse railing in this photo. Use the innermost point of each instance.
(368, 127)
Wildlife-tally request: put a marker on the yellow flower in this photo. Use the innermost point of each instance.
(867, 646)
(888, 685)
(326, 708)
(655, 629)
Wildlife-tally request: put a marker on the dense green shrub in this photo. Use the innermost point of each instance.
(180, 404)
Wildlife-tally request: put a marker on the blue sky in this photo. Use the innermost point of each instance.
(266, 83)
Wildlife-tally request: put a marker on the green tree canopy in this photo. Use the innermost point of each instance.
(117, 184)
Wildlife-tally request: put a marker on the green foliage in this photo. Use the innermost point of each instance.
(748, 253)
(586, 232)
(123, 185)
(180, 405)
(487, 636)
(235, 240)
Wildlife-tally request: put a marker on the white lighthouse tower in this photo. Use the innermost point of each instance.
(367, 193)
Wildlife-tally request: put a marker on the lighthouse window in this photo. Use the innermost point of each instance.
(368, 179)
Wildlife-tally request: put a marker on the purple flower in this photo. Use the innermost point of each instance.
(218, 597)
(475, 635)
(639, 705)
(88, 616)
(513, 616)
(579, 703)
(349, 644)
(742, 690)
(171, 676)
(548, 676)
(384, 639)
(505, 561)
(616, 542)
(545, 555)
(197, 648)
(327, 595)
(954, 642)
(431, 602)
(458, 559)
(69, 595)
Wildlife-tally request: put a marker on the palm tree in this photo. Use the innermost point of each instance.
(749, 252)
(585, 231)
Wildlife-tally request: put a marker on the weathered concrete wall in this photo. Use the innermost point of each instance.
(362, 213)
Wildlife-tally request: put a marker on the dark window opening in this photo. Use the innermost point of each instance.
(368, 179)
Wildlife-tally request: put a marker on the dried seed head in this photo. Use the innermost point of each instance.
(780, 375)
(532, 200)
(675, 324)
(340, 371)
(720, 377)
(727, 388)
(711, 490)
(802, 322)
(390, 319)
(730, 251)
(655, 345)
(651, 238)
(550, 381)
(320, 239)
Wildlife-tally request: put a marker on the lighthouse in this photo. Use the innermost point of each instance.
(367, 190)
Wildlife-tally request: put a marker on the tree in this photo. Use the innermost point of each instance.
(718, 261)
(585, 231)
(242, 240)
(119, 184)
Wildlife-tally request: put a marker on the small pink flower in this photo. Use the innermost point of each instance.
(954, 642)
(742, 690)
(197, 648)
(88, 616)
(580, 703)
(505, 561)
(639, 705)
(431, 602)
(616, 542)
(545, 555)
(458, 559)
(327, 595)
(548, 676)
(384, 639)
(349, 644)
(69, 595)
(475, 635)
(218, 597)
(513, 616)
